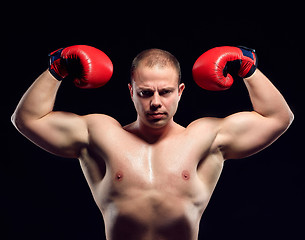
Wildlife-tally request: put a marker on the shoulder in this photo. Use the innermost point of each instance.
(104, 130)
(207, 123)
(100, 124)
(204, 132)
(101, 120)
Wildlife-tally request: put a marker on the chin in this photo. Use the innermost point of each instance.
(157, 124)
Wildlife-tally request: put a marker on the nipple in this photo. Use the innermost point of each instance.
(185, 175)
(119, 176)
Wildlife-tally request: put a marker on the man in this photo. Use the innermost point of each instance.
(153, 178)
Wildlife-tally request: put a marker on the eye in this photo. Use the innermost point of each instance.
(145, 93)
(165, 92)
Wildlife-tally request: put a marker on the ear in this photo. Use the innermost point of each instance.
(130, 90)
(181, 88)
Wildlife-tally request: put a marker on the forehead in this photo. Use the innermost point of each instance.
(155, 76)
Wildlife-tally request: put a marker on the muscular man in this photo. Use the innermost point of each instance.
(153, 178)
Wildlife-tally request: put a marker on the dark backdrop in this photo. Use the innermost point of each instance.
(46, 197)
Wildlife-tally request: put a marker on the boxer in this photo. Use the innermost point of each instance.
(153, 178)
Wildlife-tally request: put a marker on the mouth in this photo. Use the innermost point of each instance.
(156, 115)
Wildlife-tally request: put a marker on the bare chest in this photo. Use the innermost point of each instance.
(154, 189)
(167, 164)
(125, 162)
(141, 184)
(132, 168)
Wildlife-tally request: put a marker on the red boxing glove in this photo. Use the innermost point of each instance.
(213, 69)
(88, 66)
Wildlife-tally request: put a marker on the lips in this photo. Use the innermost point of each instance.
(156, 115)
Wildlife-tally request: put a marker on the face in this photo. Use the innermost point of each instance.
(156, 94)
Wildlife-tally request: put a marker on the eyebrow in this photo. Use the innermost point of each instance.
(151, 89)
(145, 88)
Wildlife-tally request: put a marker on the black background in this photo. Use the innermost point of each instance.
(47, 197)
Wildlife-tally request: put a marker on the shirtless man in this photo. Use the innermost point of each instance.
(153, 178)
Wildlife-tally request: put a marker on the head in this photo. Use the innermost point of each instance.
(155, 87)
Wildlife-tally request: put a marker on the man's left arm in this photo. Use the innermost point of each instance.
(245, 133)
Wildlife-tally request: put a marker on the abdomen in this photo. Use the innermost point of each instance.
(151, 216)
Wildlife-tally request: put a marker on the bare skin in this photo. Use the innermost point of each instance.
(153, 178)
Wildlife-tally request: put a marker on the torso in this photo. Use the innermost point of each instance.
(151, 191)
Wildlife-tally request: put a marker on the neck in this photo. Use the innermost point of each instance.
(153, 135)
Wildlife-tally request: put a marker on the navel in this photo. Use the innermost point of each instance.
(185, 175)
(119, 176)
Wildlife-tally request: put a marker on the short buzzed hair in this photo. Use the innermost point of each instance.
(155, 57)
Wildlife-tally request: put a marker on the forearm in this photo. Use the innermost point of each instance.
(38, 100)
(266, 99)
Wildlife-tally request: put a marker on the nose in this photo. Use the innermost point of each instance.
(155, 101)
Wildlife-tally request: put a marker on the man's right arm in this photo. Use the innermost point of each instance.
(60, 133)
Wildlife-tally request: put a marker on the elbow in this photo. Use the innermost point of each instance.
(286, 120)
(18, 122)
(289, 118)
(14, 119)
